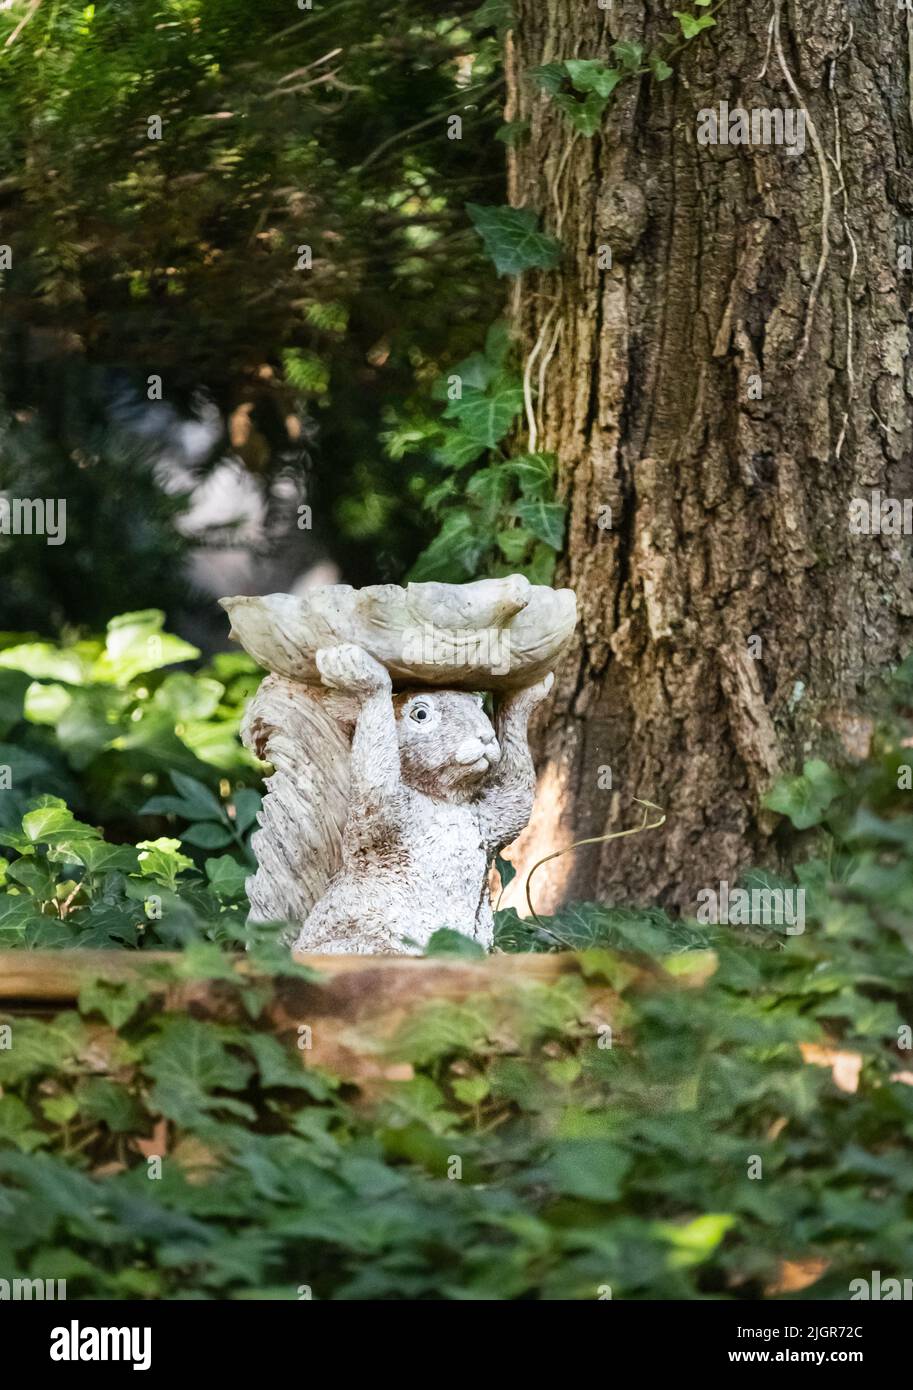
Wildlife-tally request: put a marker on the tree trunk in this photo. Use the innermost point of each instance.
(731, 621)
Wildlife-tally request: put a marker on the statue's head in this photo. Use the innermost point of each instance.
(446, 741)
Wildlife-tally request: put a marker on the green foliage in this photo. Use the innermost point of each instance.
(179, 256)
(68, 887)
(586, 1159)
(582, 88)
(104, 727)
(512, 239)
(581, 1165)
(498, 515)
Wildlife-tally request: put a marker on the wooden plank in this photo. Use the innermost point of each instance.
(57, 976)
(347, 1019)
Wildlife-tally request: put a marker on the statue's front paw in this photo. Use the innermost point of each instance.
(527, 698)
(352, 669)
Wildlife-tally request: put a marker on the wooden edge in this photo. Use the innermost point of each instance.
(59, 975)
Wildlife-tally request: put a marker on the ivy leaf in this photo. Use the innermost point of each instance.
(17, 1127)
(161, 859)
(512, 238)
(659, 67)
(457, 450)
(513, 543)
(512, 132)
(493, 14)
(805, 799)
(116, 1000)
(691, 25)
(52, 821)
(448, 942)
(455, 551)
(107, 1102)
(591, 1168)
(135, 643)
(506, 870)
(585, 116)
(629, 53)
(535, 473)
(96, 856)
(226, 876)
(188, 1062)
(540, 568)
(591, 75)
(497, 342)
(550, 77)
(544, 519)
(471, 1090)
(486, 417)
(489, 487)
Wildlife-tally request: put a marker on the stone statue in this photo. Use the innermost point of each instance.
(387, 805)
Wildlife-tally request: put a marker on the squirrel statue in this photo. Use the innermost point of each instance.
(434, 791)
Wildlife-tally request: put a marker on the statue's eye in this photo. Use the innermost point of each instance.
(419, 713)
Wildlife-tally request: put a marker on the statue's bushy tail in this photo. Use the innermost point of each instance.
(298, 729)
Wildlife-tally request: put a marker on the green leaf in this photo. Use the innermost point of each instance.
(592, 75)
(247, 804)
(659, 67)
(691, 25)
(585, 116)
(135, 643)
(17, 1126)
(447, 942)
(188, 1063)
(506, 870)
(487, 416)
(207, 835)
(161, 859)
(35, 875)
(513, 240)
(226, 876)
(116, 1000)
(471, 1090)
(96, 856)
(512, 133)
(513, 543)
(206, 805)
(455, 552)
(489, 487)
(457, 450)
(103, 1101)
(535, 473)
(52, 822)
(550, 77)
(695, 1241)
(544, 519)
(590, 1168)
(629, 53)
(806, 799)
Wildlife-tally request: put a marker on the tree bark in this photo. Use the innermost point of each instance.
(729, 514)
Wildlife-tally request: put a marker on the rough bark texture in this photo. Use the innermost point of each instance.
(729, 515)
